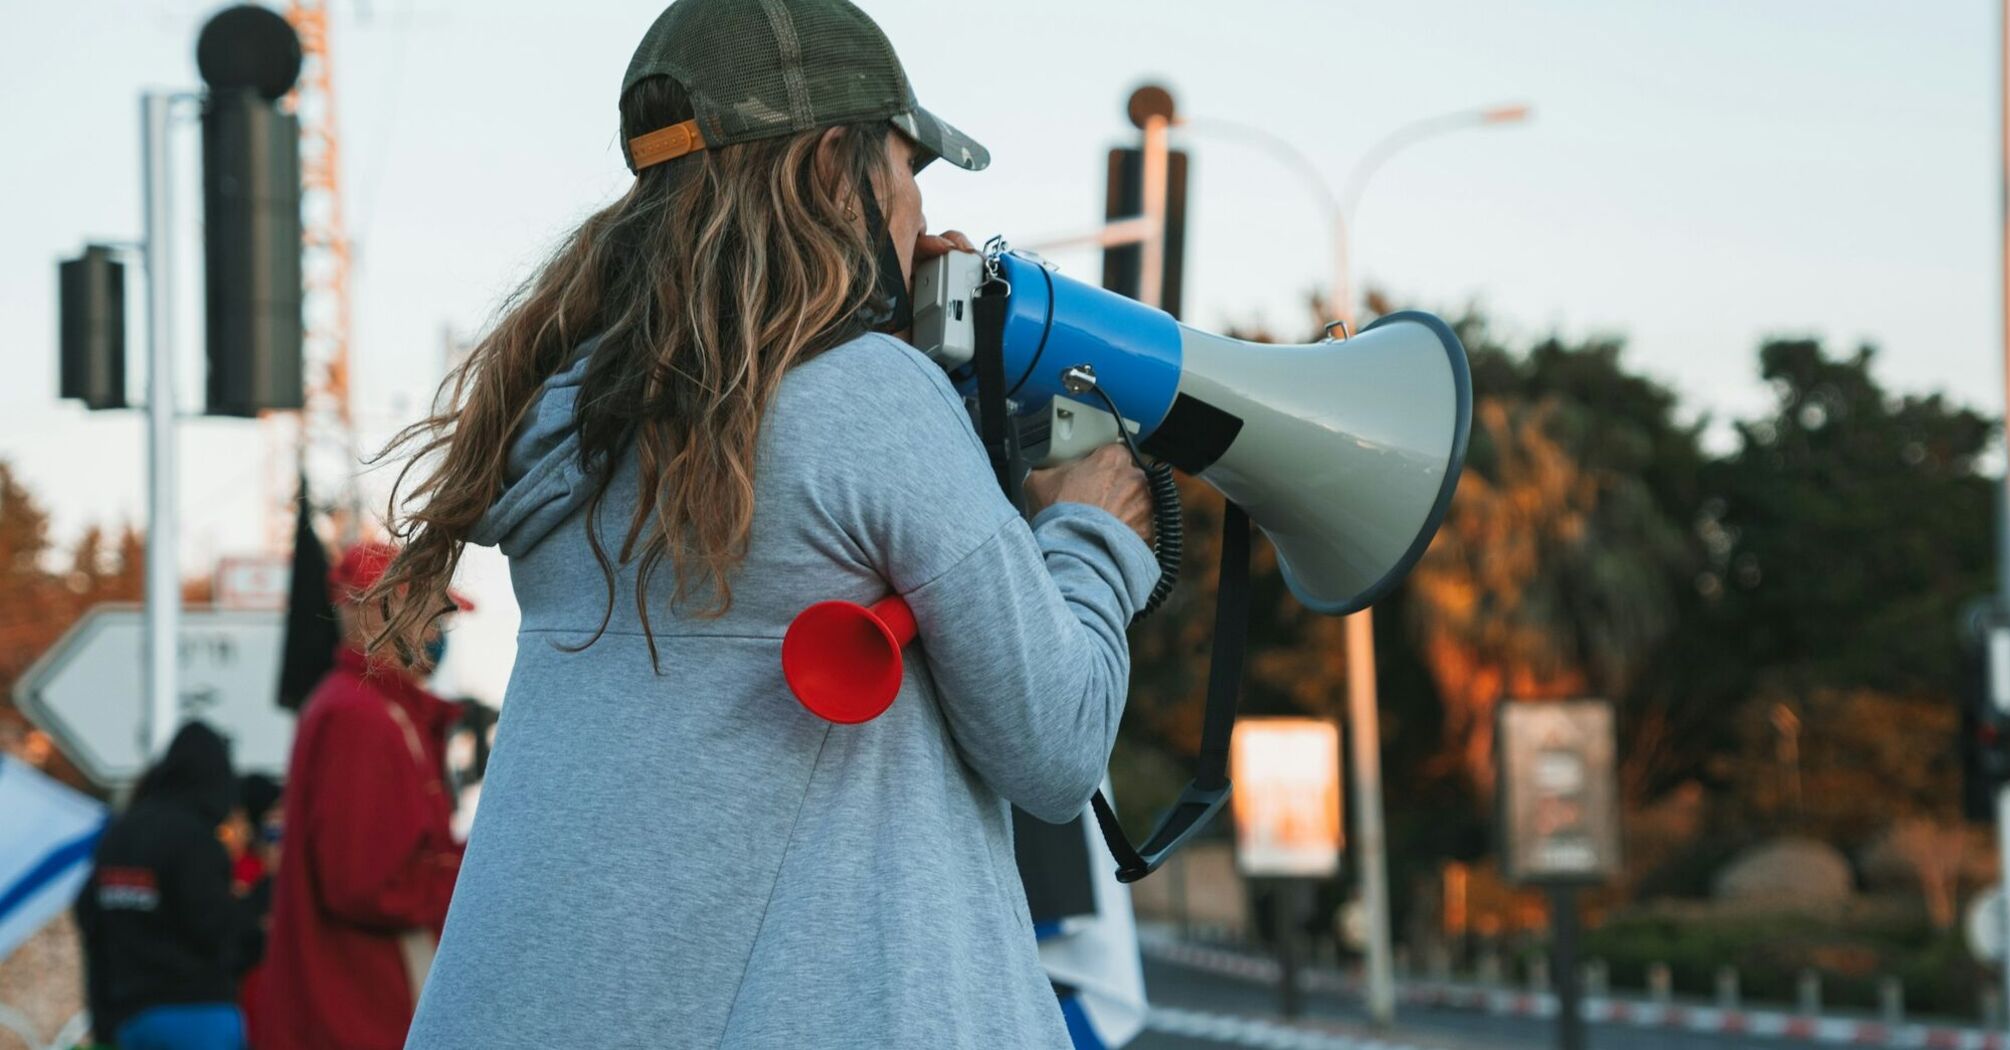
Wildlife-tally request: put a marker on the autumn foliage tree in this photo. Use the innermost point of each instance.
(1596, 547)
(45, 587)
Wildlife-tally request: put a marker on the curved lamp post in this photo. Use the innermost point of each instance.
(1365, 740)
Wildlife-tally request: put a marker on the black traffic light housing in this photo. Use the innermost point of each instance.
(1125, 199)
(91, 301)
(249, 57)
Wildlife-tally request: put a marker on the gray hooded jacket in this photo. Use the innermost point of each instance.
(692, 859)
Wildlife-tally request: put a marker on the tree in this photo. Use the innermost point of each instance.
(1844, 534)
(1560, 568)
(43, 592)
(1847, 530)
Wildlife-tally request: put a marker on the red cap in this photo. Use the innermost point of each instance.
(362, 566)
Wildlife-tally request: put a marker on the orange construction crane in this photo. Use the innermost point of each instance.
(323, 436)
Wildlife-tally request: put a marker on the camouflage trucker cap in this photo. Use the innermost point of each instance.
(759, 68)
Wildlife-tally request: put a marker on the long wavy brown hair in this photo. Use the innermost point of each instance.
(712, 276)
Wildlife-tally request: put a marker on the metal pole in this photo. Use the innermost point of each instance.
(1341, 301)
(1365, 740)
(1369, 847)
(1287, 917)
(2003, 513)
(1563, 968)
(163, 589)
(1151, 254)
(1370, 851)
(1364, 716)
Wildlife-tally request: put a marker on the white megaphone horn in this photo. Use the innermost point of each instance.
(1344, 452)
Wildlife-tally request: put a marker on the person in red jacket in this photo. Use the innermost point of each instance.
(368, 861)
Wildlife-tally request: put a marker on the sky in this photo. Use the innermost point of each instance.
(1695, 177)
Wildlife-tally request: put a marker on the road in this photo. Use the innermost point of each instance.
(1200, 1010)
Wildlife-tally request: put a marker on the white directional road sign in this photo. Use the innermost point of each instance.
(89, 690)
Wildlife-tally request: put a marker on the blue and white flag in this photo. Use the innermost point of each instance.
(1088, 937)
(45, 849)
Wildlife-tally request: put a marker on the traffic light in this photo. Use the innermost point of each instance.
(91, 299)
(251, 253)
(249, 57)
(1125, 199)
(1985, 727)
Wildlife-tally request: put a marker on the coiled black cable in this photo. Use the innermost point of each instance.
(1168, 522)
(1168, 534)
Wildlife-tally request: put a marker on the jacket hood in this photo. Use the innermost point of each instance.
(544, 479)
(195, 772)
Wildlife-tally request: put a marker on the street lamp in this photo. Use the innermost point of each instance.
(1362, 715)
(1357, 180)
(1339, 208)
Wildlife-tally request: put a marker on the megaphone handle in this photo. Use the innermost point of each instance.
(1168, 535)
(1168, 520)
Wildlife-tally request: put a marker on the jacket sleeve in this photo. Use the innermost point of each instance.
(373, 856)
(1022, 626)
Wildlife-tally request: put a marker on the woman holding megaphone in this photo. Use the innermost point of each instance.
(690, 424)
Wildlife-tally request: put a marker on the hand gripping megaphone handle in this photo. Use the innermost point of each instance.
(842, 660)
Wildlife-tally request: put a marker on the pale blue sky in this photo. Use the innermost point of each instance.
(1697, 175)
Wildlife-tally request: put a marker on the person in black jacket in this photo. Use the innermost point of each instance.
(164, 937)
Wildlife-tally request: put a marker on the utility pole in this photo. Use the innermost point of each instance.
(1370, 845)
(2000, 696)
(1151, 108)
(163, 585)
(237, 49)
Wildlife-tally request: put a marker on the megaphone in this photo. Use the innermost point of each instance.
(1344, 452)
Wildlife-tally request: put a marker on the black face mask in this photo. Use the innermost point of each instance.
(899, 316)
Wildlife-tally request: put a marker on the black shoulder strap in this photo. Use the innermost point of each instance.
(1231, 643)
(1209, 789)
(988, 317)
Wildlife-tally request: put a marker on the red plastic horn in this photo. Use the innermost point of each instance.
(842, 660)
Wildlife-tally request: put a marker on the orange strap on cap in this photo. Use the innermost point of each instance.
(665, 144)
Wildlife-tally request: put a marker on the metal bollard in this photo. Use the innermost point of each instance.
(1597, 979)
(1808, 993)
(1727, 988)
(1538, 975)
(1891, 1000)
(1660, 983)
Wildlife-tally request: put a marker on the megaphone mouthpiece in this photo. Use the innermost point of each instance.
(842, 660)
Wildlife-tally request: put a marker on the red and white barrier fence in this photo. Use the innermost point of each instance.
(1639, 1013)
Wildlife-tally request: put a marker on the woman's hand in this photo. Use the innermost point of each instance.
(1104, 478)
(929, 245)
